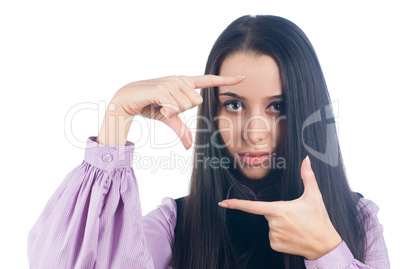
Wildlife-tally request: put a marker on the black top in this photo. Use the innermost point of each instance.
(249, 232)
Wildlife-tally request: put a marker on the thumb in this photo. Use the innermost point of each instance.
(178, 126)
(308, 176)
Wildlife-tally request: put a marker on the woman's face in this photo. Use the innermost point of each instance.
(251, 114)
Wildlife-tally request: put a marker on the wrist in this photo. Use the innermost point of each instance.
(324, 247)
(121, 107)
(115, 126)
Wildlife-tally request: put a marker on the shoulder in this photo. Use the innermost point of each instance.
(368, 211)
(168, 207)
(369, 205)
(376, 249)
(166, 212)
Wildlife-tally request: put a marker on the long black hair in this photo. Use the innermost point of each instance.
(203, 240)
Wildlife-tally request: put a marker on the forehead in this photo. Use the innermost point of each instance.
(261, 71)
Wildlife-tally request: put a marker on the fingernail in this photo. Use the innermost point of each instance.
(223, 204)
(243, 77)
(308, 161)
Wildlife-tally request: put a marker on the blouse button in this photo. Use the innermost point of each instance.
(107, 158)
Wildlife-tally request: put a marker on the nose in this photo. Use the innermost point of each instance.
(257, 130)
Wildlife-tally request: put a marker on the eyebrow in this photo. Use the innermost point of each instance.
(235, 95)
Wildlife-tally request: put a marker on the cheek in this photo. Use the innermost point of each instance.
(280, 133)
(228, 130)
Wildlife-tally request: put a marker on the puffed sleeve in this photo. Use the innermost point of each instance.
(376, 252)
(94, 219)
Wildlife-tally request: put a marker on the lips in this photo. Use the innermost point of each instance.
(254, 158)
(254, 153)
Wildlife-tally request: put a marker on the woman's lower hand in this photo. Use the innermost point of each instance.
(299, 227)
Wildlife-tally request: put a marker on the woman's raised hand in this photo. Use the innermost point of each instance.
(299, 227)
(164, 98)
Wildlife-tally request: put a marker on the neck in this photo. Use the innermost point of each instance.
(257, 184)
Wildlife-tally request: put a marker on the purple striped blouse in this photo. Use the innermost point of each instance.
(94, 220)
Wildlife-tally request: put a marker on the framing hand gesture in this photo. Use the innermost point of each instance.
(171, 96)
(301, 226)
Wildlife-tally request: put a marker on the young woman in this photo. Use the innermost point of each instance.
(263, 108)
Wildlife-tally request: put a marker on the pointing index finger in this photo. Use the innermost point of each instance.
(207, 81)
(254, 207)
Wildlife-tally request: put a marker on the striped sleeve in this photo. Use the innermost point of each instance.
(376, 253)
(94, 219)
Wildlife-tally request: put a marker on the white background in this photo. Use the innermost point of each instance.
(56, 55)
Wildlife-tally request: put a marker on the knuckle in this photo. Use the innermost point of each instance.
(188, 105)
(169, 85)
(162, 87)
(199, 100)
(173, 108)
(174, 79)
(274, 241)
(274, 245)
(183, 107)
(160, 100)
(273, 224)
(170, 77)
(189, 82)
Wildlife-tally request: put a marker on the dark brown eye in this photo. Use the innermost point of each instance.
(233, 106)
(236, 105)
(278, 107)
